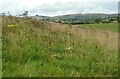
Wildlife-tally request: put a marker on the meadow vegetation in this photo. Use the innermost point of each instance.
(36, 48)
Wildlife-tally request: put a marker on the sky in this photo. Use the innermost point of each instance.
(58, 7)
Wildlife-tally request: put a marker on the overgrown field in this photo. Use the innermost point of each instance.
(34, 48)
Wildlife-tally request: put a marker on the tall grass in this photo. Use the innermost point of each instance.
(36, 48)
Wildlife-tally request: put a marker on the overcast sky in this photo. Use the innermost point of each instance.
(58, 7)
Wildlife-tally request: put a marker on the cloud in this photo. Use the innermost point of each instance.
(59, 8)
(55, 7)
(99, 10)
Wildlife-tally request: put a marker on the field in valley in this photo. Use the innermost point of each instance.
(104, 26)
(36, 48)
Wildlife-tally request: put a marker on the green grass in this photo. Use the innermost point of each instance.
(104, 26)
(28, 51)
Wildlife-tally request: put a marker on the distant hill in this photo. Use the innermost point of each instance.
(40, 17)
(84, 16)
(80, 18)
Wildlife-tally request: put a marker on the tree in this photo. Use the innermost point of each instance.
(25, 14)
(36, 15)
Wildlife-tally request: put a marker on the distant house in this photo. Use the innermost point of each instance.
(114, 21)
(105, 20)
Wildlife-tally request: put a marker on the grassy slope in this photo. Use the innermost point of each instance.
(37, 51)
(104, 26)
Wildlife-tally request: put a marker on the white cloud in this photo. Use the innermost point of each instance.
(99, 10)
(57, 7)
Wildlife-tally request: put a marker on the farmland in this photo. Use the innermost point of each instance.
(36, 48)
(103, 26)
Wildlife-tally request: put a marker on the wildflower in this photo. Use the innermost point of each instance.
(69, 48)
(12, 25)
(56, 56)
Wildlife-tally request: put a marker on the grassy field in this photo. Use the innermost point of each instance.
(33, 48)
(103, 26)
